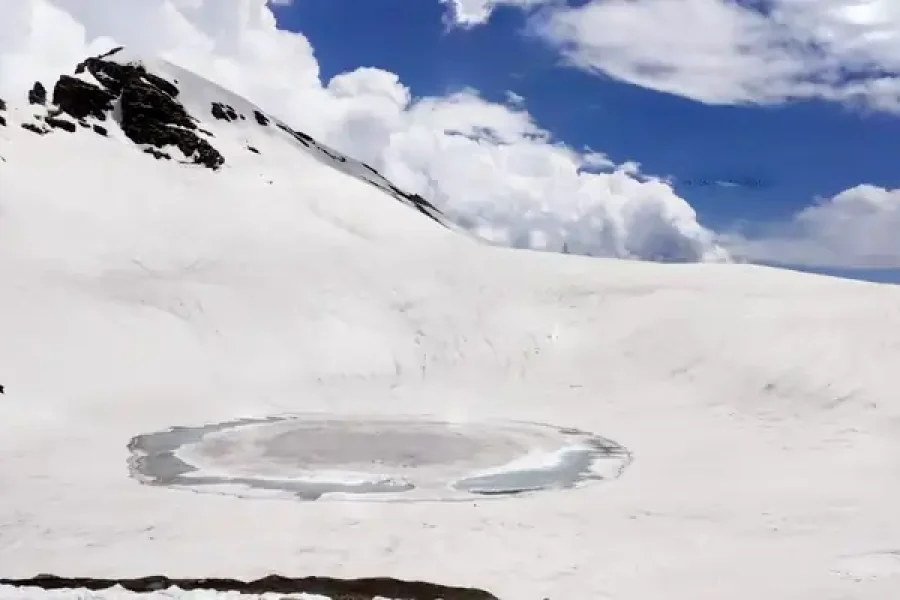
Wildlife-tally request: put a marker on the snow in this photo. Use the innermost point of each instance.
(10, 593)
(760, 405)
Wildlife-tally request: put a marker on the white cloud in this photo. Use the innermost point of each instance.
(514, 98)
(855, 229)
(469, 13)
(725, 52)
(488, 164)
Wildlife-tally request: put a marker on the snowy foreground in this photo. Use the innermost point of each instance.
(10, 593)
(760, 406)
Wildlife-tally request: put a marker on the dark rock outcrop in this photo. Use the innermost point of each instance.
(37, 94)
(2, 104)
(224, 112)
(115, 76)
(100, 130)
(338, 589)
(63, 124)
(297, 135)
(421, 202)
(152, 116)
(157, 154)
(149, 110)
(261, 118)
(81, 99)
(253, 150)
(35, 129)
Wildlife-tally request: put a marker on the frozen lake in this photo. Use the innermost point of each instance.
(384, 458)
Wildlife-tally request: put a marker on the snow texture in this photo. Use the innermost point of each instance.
(139, 294)
(21, 593)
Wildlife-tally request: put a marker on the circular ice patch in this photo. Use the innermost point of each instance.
(373, 458)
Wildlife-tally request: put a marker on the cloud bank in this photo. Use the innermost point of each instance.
(857, 228)
(723, 51)
(488, 165)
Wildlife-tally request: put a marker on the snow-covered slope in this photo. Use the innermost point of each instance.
(760, 406)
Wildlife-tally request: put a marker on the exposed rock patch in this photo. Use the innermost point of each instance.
(224, 112)
(81, 99)
(297, 135)
(261, 118)
(338, 589)
(35, 128)
(421, 202)
(2, 108)
(100, 130)
(63, 124)
(150, 115)
(149, 110)
(37, 94)
(157, 154)
(253, 150)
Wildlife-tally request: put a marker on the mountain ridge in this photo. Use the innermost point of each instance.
(117, 88)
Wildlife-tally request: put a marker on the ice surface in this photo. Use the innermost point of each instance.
(311, 457)
(761, 406)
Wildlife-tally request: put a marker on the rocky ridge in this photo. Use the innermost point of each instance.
(106, 91)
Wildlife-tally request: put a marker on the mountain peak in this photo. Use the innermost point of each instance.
(166, 112)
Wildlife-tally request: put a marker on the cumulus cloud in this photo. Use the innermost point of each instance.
(727, 52)
(469, 13)
(857, 228)
(489, 165)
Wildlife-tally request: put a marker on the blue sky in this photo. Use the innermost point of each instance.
(787, 154)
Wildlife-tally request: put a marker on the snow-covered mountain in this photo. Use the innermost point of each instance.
(146, 101)
(173, 257)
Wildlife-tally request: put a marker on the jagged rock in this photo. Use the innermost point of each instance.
(37, 94)
(2, 104)
(152, 116)
(224, 112)
(420, 202)
(100, 130)
(81, 99)
(252, 149)
(261, 118)
(114, 76)
(35, 129)
(150, 111)
(142, 101)
(61, 124)
(297, 135)
(2, 121)
(218, 111)
(157, 153)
